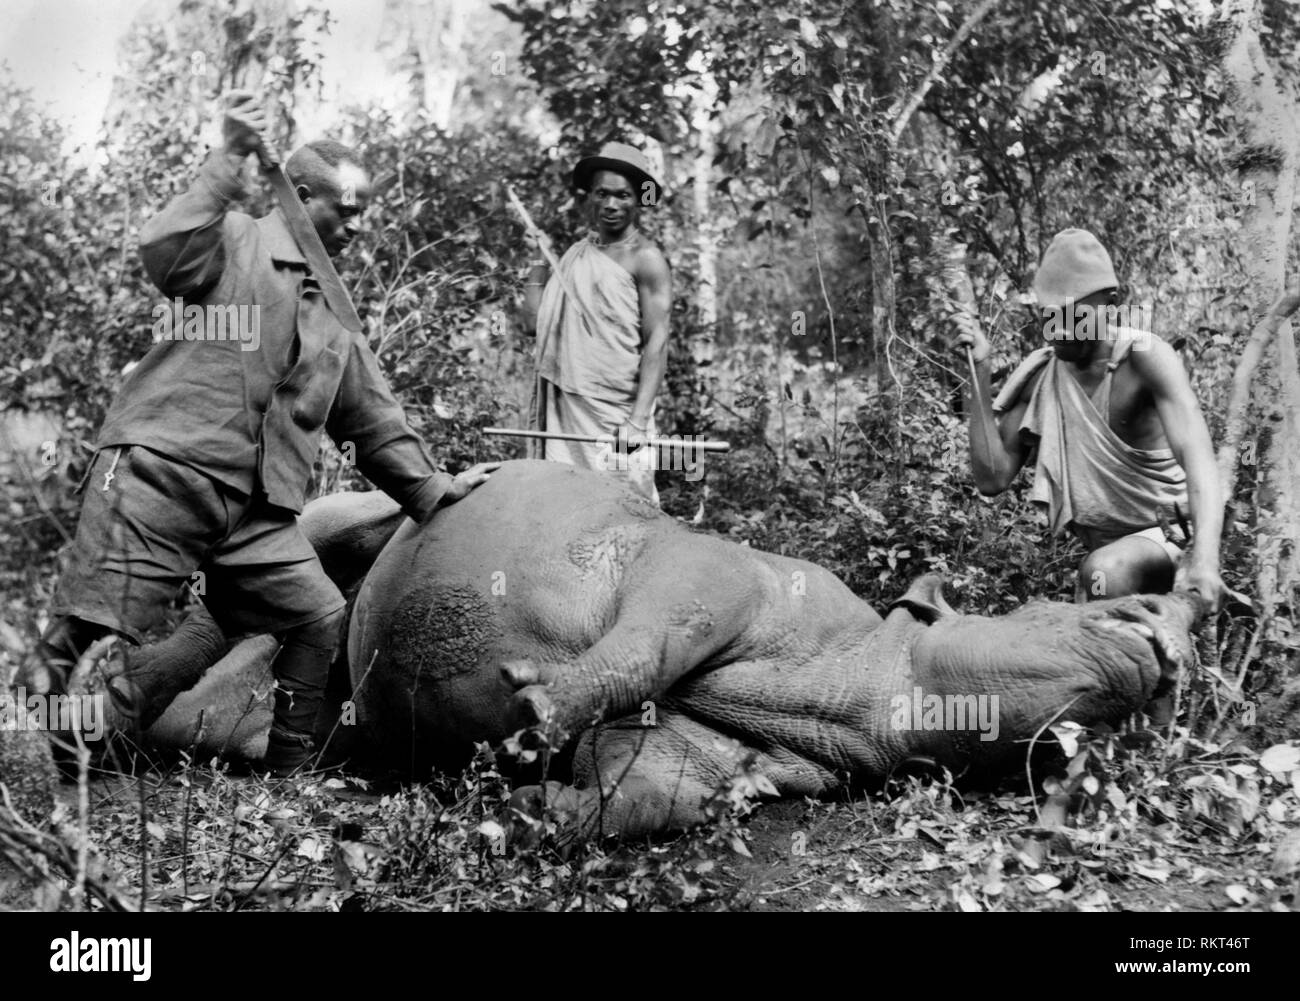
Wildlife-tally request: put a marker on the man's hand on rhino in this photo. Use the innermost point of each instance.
(244, 127)
(1205, 581)
(466, 481)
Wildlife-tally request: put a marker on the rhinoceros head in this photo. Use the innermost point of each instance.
(993, 683)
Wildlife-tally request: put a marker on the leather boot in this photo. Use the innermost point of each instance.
(287, 752)
(301, 669)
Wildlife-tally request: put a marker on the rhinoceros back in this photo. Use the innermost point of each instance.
(527, 566)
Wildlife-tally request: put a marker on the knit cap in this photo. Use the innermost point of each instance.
(1074, 265)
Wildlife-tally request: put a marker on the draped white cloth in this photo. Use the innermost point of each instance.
(588, 365)
(1089, 479)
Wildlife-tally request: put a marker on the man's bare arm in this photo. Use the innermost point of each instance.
(994, 467)
(539, 272)
(1163, 376)
(537, 276)
(654, 286)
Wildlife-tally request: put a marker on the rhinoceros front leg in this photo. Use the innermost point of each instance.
(679, 610)
(632, 780)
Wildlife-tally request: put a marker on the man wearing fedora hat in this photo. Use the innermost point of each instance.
(602, 324)
(1122, 445)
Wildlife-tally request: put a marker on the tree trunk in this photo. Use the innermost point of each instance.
(1266, 160)
(706, 129)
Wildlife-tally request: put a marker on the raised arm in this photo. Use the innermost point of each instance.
(997, 451)
(1163, 376)
(182, 246)
(538, 273)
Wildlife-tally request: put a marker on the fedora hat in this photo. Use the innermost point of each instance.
(622, 159)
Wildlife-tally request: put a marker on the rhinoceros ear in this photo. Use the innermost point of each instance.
(924, 599)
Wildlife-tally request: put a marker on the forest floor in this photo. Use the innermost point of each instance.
(1216, 830)
(1156, 821)
(965, 863)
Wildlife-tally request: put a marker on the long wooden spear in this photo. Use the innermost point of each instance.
(609, 439)
(961, 296)
(587, 321)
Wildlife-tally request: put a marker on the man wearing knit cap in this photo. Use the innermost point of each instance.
(1121, 442)
(602, 325)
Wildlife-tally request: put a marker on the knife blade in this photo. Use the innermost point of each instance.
(308, 240)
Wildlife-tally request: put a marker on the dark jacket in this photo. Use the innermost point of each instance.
(249, 412)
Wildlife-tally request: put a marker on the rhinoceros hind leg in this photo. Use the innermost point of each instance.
(234, 702)
(348, 531)
(187, 673)
(161, 671)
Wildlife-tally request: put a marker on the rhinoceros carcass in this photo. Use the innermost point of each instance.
(556, 598)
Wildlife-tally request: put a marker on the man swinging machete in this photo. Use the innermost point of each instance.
(206, 454)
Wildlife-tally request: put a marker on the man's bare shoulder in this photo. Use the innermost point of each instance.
(1157, 364)
(649, 261)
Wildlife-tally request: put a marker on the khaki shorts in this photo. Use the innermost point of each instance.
(157, 525)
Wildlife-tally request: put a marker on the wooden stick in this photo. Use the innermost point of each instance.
(963, 298)
(588, 322)
(608, 439)
(532, 228)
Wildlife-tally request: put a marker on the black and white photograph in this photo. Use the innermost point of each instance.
(616, 456)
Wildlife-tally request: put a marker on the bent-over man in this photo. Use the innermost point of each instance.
(1120, 438)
